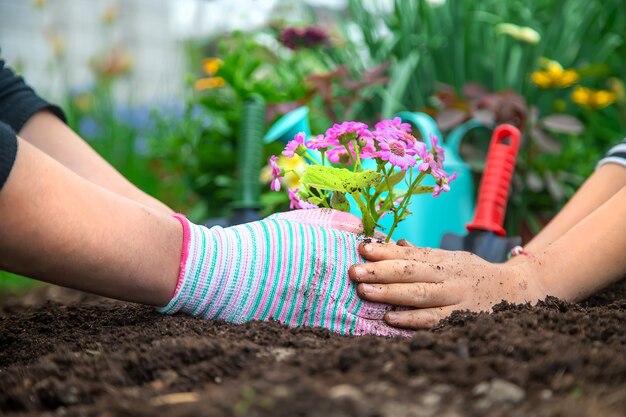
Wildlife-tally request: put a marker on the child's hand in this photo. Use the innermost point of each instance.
(433, 283)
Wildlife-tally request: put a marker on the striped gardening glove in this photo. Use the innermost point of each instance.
(291, 267)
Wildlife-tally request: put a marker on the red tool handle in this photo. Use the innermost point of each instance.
(494, 186)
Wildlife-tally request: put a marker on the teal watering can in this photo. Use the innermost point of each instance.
(432, 217)
(285, 128)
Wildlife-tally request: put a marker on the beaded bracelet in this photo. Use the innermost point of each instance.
(516, 251)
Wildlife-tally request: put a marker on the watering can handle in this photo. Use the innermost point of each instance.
(453, 140)
(424, 123)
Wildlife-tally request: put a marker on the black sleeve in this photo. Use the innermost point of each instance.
(8, 151)
(18, 102)
(616, 155)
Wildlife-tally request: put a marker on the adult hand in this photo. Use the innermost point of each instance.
(290, 267)
(432, 283)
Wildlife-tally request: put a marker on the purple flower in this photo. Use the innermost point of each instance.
(394, 129)
(276, 177)
(369, 151)
(346, 131)
(295, 38)
(397, 153)
(319, 142)
(293, 145)
(339, 154)
(295, 202)
(379, 206)
(428, 162)
(393, 124)
(443, 184)
(440, 154)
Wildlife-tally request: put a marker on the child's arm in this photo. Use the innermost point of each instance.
(602, 185)
(589, 256)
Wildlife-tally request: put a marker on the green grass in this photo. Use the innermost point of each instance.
(15, 284)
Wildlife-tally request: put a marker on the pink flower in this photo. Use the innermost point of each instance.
(379, 206)
(276, 177)
(397, 153)
(369, 151)
(293, 145)
(439, 152)
(344, 132)
(443, 184)
(393, 124)
(295, 202)
(339, 154)
(429, 162)
(319, 142)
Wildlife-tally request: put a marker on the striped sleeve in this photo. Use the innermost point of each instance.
(616, 155)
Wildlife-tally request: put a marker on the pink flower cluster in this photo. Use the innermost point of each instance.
(391, 141)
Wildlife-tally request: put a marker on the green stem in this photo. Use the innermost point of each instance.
(357, 162)
(405, 202)
(368, 227)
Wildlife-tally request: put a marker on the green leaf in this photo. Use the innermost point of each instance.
(338, 201)
(401, 75)
(423, 189)
(393, 181)
(340, 179)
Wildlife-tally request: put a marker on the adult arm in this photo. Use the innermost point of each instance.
(61, 228)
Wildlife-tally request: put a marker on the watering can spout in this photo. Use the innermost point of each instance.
(285, 128)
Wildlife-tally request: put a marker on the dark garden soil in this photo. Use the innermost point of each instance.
(84, 356)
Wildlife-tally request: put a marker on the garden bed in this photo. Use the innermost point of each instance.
(84, 356)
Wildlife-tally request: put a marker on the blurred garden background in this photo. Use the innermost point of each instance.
(158, 86)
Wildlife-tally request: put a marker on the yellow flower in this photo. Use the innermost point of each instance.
(209, 83)
(39, 4)
(297, 164)
(553, 75)
(593, 99)
(520, 33)
(211, 65)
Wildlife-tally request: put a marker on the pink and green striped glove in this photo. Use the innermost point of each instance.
(291, 267)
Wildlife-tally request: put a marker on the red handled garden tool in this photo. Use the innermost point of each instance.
(487, 238)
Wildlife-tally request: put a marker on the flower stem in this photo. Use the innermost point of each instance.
(405, 202)
(310, 158)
